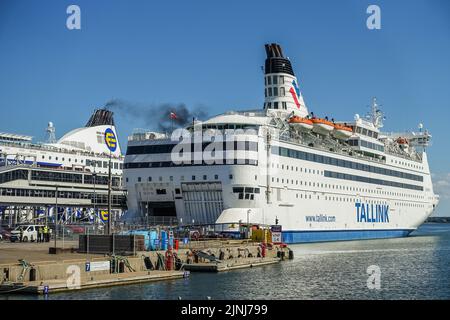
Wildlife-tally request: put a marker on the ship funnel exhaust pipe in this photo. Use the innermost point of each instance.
(276, 62)
(101, 117)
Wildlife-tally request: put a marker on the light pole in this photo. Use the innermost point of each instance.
(94, 176)
(56, 215)
(248, 222)
(109, 194)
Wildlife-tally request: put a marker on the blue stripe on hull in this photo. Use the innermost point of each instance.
(341, 235)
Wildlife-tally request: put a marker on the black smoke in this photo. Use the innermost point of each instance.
(158, 116)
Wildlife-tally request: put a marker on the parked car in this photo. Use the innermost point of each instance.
(75, 229)
(5, 234)
(28, 232)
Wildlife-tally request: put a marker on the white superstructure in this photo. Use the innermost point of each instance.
(72, 172)
(318, 178)
(80, 149)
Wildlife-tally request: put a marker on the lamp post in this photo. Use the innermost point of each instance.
(248, 223)
(109, 194)
(94, 176)
(56, 215)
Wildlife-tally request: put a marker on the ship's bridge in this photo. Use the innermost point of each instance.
(365, 137)
(235, 120)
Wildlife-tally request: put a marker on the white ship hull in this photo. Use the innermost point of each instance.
(308, 203)
(316, 187)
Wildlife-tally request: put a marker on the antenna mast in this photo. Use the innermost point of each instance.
(50, 133)
(375, 115)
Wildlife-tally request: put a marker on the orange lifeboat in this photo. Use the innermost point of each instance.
(402, 141)
(341, 131)
(301, 124)
(322, 126)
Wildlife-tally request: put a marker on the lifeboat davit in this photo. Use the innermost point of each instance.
(322, 126)
(301, 124)
(342, 131)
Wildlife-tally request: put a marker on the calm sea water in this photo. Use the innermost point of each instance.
(417, 267)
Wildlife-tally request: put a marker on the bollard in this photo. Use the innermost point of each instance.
(291, 254)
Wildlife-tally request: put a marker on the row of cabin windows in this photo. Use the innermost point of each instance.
(94, 197)
(332, 186)
(165, 164)
(273, 92)
(307, 195)
(364, 179)
(354, 199)
(268, 80)
(330, 174)
(276, 105)
(192, 147)
(104, 164)
(228, 126)
(93, 163)
(63, 159)
(407, 164)
(287, 167)
(182, 178)
(301, 155)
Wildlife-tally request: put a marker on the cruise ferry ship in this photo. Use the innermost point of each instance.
(80, 149)
(72, 172)
(317, 178)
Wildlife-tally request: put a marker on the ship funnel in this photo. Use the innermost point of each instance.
(282, 90)
(101, 117)
(99, 135)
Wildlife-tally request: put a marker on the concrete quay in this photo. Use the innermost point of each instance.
(29, 268)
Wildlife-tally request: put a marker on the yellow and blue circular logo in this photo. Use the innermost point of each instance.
(110, 140)
(104, 215)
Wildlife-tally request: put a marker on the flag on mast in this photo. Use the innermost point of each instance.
(173, 115)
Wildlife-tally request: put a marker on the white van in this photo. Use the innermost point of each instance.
(29, 232)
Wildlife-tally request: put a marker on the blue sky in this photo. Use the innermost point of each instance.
(208, 54)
